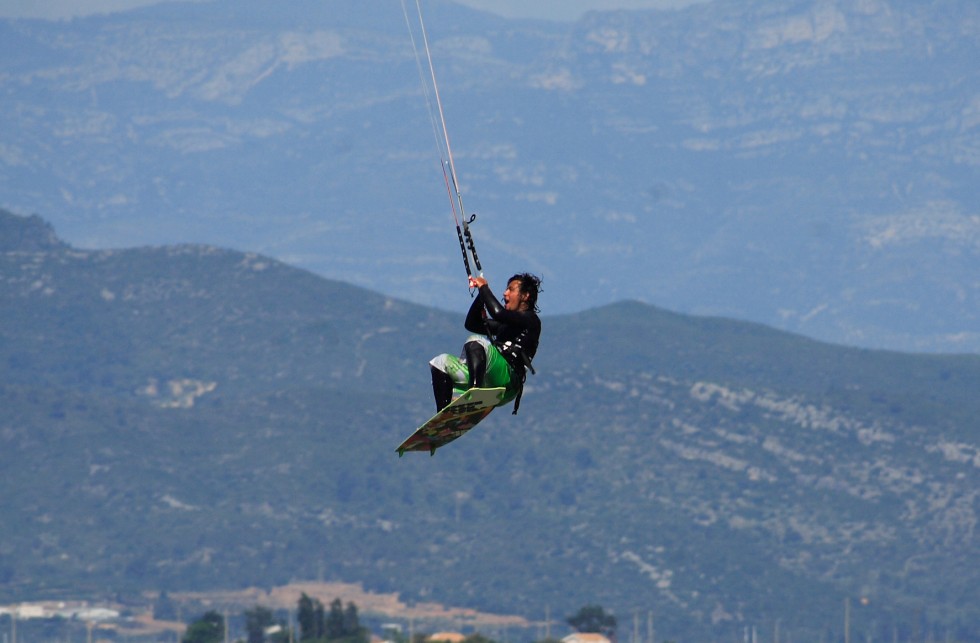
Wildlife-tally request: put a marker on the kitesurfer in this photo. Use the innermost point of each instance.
(500, 351)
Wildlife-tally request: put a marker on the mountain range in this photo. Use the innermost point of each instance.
(810, 165)
(189, 417)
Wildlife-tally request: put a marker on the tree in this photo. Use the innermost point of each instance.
(339, 624)
(309, 615)
(593, 619)
(320, 620)
(334, 624)
(257, 621)
(210, 628)
(352, 624)
(343, 624)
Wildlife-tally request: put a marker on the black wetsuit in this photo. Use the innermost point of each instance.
(515, 334)
(500, 356)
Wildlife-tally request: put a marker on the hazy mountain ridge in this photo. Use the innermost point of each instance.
(68, 289)
(780, 164)
(242, 432)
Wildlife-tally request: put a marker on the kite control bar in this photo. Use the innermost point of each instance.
(471, 245)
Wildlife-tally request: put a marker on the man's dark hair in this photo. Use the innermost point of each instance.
(530, 286)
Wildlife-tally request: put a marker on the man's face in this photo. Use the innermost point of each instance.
(513, 298)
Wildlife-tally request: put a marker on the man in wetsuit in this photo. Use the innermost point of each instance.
(500, 351)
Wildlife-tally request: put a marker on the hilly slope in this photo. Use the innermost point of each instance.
(810, 164)
(188, 417)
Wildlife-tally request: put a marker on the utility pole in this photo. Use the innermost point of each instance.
(847, 620)
(636, 626)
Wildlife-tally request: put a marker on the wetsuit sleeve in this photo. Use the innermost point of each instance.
(475, 320)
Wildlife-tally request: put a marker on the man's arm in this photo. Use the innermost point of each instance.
(475, 319)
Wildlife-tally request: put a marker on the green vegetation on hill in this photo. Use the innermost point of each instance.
(189, 417)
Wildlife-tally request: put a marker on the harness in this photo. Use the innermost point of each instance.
(520, 362)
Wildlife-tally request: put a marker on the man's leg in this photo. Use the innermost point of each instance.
(448, 373)
(442, 388)
(476, 360)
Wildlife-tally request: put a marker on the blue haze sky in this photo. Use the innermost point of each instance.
(549, 9)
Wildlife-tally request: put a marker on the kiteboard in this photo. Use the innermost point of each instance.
(460, 416)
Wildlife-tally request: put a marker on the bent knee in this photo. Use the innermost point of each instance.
(440, 362)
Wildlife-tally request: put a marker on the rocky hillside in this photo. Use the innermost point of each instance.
(185, 418)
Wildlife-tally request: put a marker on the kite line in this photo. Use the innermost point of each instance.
(465, 236)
